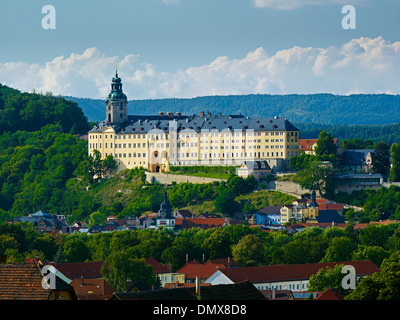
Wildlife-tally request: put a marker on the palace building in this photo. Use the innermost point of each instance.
(156, 142)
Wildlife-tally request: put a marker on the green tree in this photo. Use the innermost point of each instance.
(97, 218)
(382, 285)
(76, 250)
(319, 176)
(110, 165)
(226, 203)
(340, 249)
(395, 170)
(381, 159)
(46, 243)
(374, 253)
(218, 244)
(328, 277)
(249, 251)
(325, 144)
(120, 267)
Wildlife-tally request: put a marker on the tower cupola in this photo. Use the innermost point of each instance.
(116, 103)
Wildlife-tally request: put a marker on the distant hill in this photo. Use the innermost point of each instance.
(363, 109)
(32, 111)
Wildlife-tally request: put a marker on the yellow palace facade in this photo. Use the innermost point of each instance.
(157, 142)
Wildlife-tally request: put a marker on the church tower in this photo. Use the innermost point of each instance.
(313, 206)
(165, 217)
(116, 103)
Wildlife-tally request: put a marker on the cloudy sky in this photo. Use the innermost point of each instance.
(189, 48)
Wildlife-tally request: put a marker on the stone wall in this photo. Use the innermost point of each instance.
(288, 187)
(166, 178)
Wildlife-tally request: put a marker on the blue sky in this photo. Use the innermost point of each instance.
(185, 48)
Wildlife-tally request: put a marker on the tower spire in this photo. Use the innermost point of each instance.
(116, 103)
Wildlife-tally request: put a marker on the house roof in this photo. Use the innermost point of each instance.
(196, 269)
(24, 282)
(74, 270)
(204, 223)
(331, 206)
(227, 262)
(157, 266)
(271, 210)
(279, 294)
(307, 144)
(355, 156)
(255, 165)
(197, 123)
(326, 216)
(173, 285)
(238, 291)
(276, 273)
(331, 294)
(183, 213)
(92, 289)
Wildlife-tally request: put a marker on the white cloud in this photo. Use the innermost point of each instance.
(361, 65)
(295, 4)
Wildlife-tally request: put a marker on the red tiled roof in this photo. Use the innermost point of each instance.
(306, 144)
(331, 294)
(223, 261)
(204, 223)
(331, 206)
(173, 285)
(22, 282)
(74, 270)
(203, 271)
(277, 273)
(157, 266)
(319, 201)
(92, 289)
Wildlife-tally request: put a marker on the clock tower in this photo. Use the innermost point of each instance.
(116, 103)
(164, 217)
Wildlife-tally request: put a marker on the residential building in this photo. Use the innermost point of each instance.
(156, 142)
(294, 277)
(92, 289)
(164, 272)
(203, 223)
(195, 269)
(357, 160)
(27, 281)
(259, 169)
(308, 146)
(315, 215)
(45, 223)
(236, 291)
(349, 182)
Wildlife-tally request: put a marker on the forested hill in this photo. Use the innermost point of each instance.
(31, 111)
(313, 108)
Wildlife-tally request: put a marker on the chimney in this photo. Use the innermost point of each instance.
(273, 293)
(208, 113)
(229, 262)
(202, 114)
(202, 260)
(170, 114)
(161, 114)
(219, 113)
(178, 114)
(187, 258)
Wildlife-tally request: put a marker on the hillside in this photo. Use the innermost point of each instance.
(32, 111)
(362, 109)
